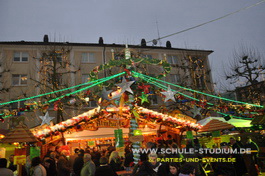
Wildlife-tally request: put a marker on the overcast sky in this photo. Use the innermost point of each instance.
(121, 21)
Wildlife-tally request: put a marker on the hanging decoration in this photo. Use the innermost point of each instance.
(144, 98)
(178, 120)
(131, 62)
(196, 111)
(145, 88)
(46, 119)
(169, 95)
(125, 86)
(135, 145)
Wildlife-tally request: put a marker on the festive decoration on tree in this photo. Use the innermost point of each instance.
(46, 119)
(125, 86)
(145, 88)
(169, 94)
(135, 145)
(144, 98)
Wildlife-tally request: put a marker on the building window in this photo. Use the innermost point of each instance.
(172, 59)
(200, 82)
(88, 58)
(19, 80)
(85, 78)
(17, 105)
(21, 57)
(174, 78)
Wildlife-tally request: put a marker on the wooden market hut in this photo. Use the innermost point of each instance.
(20, 133)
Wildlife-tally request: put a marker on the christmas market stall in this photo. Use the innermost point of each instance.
(24, 144)
(221, 130)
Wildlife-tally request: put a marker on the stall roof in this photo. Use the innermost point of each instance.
(20, 133)
(234, 122)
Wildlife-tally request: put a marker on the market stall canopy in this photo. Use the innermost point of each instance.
(20, 133)
(219, 123)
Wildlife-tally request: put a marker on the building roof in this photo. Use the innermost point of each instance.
(95, 45)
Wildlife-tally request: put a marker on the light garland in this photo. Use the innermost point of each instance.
(48, 93)
(169, 118)
(213, 96)
(98, 82)
(164, 87)
(58, 98)
(65, 124)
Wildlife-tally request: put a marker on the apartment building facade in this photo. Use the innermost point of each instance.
(23, 73)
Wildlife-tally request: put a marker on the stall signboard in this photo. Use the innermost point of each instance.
(118, 138)
(91, 143)
(111, 123)
(106, 123)
(21, 159)
(189, 135)
(216, 133)
(217, 140)
(20, 156)
(2, 152)
(34, 152)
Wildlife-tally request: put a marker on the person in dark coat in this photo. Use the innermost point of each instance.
(128, 157)
(152, 167)
(48, 164)
(239, 165)
(104, 169)
(63, 167)
(79, 162)
(11, 163)
(174, 169)
(96, 156)
(223, 168)
(251, 159)
(115, 161)
(187, 170)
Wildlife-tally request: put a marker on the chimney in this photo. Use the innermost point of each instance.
(100, 41)
(45, 38)
(143, 42)
(168, 44)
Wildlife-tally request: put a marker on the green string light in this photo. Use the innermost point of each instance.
(48, 93)
(146, 78)
(196, 91)
(99, 82)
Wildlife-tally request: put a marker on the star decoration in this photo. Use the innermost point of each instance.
(196, 111)
(144, 98)
(105, 94)
(46, 119)
(125, 86)
(169, 95)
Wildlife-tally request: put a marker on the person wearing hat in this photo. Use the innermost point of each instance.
(223, 168)
(104, 169)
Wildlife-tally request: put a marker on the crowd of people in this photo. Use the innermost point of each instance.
(107, 162)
